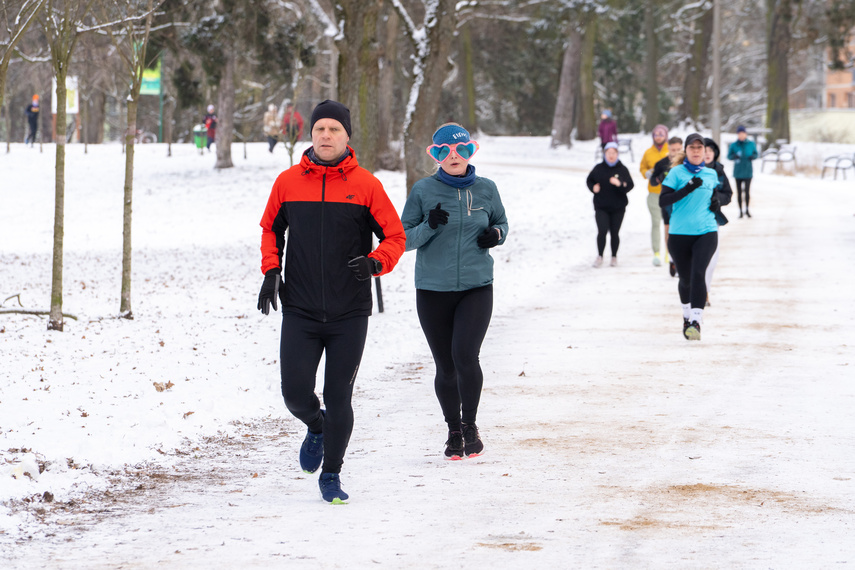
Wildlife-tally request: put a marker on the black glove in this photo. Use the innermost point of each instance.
(364, 267)
(490, 238)
(437, 216)
(715, 203)
(693, 184)
(269, 291)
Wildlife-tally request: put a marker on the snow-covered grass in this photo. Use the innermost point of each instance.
(611, 441)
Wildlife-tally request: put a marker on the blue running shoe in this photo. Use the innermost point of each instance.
(330, 484)
(312, 451)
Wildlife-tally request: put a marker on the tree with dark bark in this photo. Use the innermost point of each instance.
(433, 45)
(62, 22)
(130, 37)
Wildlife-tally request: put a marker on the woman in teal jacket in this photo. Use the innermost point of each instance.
(742, 152)
(452, 219)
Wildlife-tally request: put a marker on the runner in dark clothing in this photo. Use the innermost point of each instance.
(33, 120)
(609, 181)
(660, 171)
(330, 207)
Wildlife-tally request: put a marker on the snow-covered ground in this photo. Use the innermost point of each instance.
(610, 440)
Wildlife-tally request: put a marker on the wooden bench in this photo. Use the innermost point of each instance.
(783, 153)
(842, 162)
(624, 145)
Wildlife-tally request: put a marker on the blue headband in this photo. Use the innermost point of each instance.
(450, 134)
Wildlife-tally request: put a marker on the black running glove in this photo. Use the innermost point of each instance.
(364, 267)
(437, 216)
(490, 238)
(715, 203)
(693, 184)
(269, 291)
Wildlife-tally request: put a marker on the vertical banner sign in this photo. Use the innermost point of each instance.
(72, 102)
(151, 81)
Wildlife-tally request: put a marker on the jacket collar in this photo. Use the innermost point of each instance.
(348, 164)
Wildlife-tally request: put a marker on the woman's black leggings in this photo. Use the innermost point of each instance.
(692, 255)
(743, 184)
(303, 342)
(455, 323)
(608, 221)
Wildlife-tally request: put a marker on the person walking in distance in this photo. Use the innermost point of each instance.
(33, 120)
(271, 126)
(330, 207)
(690, 188)
(652, 155)
(607, 129)
(742, 152)
(452, 219)
(609, 182)
(210, 122)
(660, 171)
(292, 124)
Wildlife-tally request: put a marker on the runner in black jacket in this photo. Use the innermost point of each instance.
(609, 181)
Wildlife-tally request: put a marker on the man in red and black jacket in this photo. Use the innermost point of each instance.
(330, 207)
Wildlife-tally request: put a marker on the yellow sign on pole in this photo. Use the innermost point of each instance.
(151, 81)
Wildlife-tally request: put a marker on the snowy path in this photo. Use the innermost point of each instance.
(611, 441)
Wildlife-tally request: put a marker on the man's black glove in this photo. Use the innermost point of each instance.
(269, 291)
(715, 203)
(364, 267)
(437, 216)
(490, 238)
(693, 184)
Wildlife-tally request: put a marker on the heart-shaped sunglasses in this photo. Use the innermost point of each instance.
(441, 152)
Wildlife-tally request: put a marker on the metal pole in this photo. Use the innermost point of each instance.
(716, 54)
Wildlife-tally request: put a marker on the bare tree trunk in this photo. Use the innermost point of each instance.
(651, 118)
(693, 85)
(358, 74)
(226, 116)
(565, 103)
(127, 213)
(55, 321)
(386, 90)
(470, 118)
(586, 121)
(779, 20)
(428, 91)
(168, 101)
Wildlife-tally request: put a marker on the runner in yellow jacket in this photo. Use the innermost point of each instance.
(652, 155)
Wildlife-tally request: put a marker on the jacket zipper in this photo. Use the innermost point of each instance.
(459, 236)
(323, 283)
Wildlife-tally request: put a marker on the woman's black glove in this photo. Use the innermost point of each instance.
(715, 203)
(269, 291)
(364, 267)
(437, 216)
(490, 238)
(693, 184)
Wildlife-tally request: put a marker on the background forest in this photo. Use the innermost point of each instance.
(504, 67)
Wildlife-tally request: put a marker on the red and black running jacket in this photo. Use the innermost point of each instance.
(330, 213)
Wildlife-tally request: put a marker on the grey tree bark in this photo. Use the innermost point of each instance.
(568, 86)
(359, 73)
(651, 116)
(586, 121)
(226, 114)
(779, 18)
(695, 79)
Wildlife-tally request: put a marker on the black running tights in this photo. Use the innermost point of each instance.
(608, 221)
(692, 255)
(743, 184)
(455, 323)
(303, 342)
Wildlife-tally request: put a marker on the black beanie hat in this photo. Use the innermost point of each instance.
(709, 143)
(331, 110)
